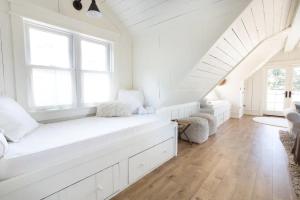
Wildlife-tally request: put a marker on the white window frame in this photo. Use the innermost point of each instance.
(80, 71)
(75, 61)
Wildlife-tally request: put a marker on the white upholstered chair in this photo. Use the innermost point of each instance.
(293, 117)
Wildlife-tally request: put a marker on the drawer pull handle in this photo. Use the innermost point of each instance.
(100, 188)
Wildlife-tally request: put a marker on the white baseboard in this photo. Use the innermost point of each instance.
(253, 112)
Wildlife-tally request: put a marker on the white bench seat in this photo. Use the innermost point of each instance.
(53, 144)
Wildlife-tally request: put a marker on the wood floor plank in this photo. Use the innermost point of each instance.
(244, 161)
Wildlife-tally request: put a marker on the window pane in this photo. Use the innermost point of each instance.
(296, 84)
(276, 82)
(49, 49)
(93, 56)
(51, 87)
(96, 87)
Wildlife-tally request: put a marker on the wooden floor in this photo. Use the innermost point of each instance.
(245, 160)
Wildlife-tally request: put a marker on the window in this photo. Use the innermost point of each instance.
(67, 69)
(94, 68)
(49, 55)
(49, 48)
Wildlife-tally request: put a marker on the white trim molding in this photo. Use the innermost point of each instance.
(179, 111)
(34, 12)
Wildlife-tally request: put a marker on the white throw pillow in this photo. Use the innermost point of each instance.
(3, 144)
(113, 109)
(14, 120)
(134, 98)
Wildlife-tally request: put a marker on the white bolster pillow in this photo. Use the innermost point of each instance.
(3, 144)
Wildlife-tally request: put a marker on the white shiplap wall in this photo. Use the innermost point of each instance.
(1, 66)
(179, 111)
(7, 72)
(62, 14)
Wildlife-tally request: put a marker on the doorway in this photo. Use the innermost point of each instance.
(282, 88)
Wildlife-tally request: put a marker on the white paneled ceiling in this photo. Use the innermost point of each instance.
(294, 35)
(259, 21)
(139, 14)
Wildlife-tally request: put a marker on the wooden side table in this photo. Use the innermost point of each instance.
(183, 125)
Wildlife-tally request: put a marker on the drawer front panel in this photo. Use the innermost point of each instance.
(96, 187)
(142, 163)
(83, 190)
(138, 166)
(161, 153)
(105, 183)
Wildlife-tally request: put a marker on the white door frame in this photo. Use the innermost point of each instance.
(2, 84)
(288, 86)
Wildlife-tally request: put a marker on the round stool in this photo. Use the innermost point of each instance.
(212, 121)
(198, 131)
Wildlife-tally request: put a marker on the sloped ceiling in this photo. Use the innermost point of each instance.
(294, 35)
(262, 19)
(137, 15)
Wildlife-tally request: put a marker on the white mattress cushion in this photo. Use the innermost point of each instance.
(134, 98)
(113, 109)
(51, 144)
(14, 120)
(3, 144)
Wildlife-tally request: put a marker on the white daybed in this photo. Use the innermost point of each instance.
(218, 108)
(90, 158)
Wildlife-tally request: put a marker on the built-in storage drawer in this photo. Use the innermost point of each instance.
(144, 162)
(220, 119)
(226, 115)
(96, 187)
(221, 115)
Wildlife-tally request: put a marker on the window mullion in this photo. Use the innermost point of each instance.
(76, 60)
(94, 71)
(50, 68)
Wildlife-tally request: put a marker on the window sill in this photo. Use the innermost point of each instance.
(55, 115)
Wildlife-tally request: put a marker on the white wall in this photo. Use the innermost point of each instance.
(6, 65)
(253, 93)
(60, 13)
(167, 51)
(286, 57)
(233, 90)
(254, 85)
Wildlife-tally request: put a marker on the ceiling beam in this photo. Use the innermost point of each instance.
(294, 35)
